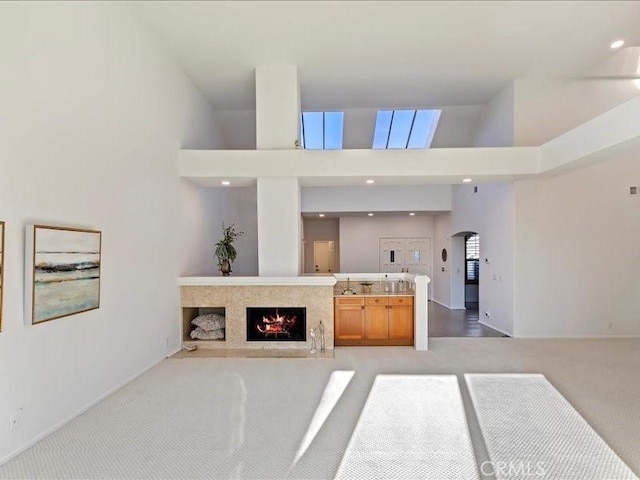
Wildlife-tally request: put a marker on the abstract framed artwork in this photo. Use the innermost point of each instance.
(1, 269)
(62, 272)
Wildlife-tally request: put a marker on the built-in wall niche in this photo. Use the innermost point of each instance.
(203, 324)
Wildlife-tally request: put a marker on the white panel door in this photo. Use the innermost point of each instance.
(418, 259)
(392, 255)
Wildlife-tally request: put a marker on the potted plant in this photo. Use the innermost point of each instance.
(366, 287)
(225, 252)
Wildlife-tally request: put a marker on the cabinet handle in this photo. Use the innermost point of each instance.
(362, 307)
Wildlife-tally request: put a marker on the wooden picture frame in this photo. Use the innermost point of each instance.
(1, 269)
(62, 272)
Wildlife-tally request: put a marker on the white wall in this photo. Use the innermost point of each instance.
(441, 279)
(432, 198)
(277, 106)
(457, 126)
(324, 229)
(577, 256)
(563, 105)
(457, 278)
(205, 211)
(243, 211)
(279, 227)
(490, 213)
(359, 238)
(496, 127)
(93, 116)
(238, 128)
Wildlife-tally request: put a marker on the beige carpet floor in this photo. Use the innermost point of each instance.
(247, 417)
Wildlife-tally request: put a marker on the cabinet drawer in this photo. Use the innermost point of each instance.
(376, 300)
(349, 301)
(401, 300)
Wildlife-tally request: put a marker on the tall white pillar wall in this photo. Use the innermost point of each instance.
(277, 107)
(279, 226)
(278, 127)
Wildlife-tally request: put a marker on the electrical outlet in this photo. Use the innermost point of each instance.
(14, 420)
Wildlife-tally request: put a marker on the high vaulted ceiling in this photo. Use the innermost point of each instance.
(387, 54)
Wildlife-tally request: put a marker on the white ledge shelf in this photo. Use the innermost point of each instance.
(204, 281)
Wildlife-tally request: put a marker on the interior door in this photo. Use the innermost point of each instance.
(419, 255)
(419, 258)
(392, 255)
(324, 256)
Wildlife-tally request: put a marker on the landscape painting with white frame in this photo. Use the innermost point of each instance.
(64, 272)
(1, 269)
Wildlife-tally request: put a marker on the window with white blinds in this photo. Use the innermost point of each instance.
(472, 258)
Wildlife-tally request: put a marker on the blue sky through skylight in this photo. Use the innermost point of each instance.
(405, 128)
(322, 130)
(383, 125)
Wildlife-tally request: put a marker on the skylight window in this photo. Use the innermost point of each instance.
(405, 128)
(322, 130)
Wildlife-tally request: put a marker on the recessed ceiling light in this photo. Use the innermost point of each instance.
(466, 180)
(321, 214)
(371, 181)
(370, 214)
(225, 182)
(617, 44)
(412, 214)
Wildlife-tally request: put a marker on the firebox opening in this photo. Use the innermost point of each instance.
(276, 324)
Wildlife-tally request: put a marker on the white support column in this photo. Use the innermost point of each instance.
(279, 224)
(277, 107)
(278, 127)
(421, 312)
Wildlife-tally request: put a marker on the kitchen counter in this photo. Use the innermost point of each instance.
(384, 294)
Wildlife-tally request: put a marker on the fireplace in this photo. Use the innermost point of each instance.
(277, 324)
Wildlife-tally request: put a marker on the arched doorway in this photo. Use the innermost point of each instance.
(462, 319)
(465, 270)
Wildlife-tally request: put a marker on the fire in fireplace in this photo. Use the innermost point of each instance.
(276, 324)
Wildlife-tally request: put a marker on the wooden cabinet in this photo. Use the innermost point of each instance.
(383, 320)
(376, 318)
(401, 318)
(349, 318)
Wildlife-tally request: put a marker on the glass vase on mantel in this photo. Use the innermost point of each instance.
(225, 268)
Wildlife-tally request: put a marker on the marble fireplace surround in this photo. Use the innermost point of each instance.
(235, 294)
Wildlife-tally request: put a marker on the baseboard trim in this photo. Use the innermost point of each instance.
(578, 337)
(62, 423)
(446, 306)
(440, 303)
(495, 328)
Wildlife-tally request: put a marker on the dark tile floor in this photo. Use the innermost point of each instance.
(457, 323)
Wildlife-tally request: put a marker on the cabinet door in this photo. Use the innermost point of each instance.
(376, 322)
(376, 318)
(349, 322)
(400, 322)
